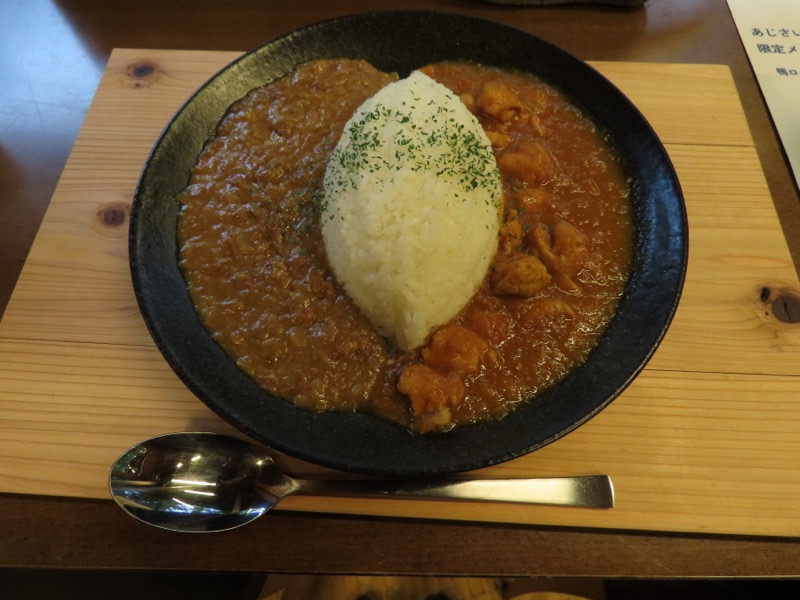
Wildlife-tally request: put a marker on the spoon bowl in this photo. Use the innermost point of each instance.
(203, 482)
(192, 482)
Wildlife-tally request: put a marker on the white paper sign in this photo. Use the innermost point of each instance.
(770, 32)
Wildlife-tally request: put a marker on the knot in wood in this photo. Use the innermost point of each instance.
(141, 70)
(111, 219)
(781, 303)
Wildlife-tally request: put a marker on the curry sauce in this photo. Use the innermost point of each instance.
(252, 254)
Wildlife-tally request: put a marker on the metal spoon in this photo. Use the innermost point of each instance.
(202, 482)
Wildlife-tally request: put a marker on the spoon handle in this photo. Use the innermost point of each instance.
(591, 491)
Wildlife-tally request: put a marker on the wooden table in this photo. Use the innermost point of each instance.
(74, 42)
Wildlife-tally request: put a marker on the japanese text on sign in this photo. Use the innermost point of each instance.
(770, 33)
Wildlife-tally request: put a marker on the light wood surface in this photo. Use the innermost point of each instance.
(707, 439)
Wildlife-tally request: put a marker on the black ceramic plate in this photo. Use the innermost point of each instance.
(403, 41)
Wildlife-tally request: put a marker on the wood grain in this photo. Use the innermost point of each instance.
(707, 439)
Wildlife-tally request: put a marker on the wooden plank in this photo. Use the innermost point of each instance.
(677, 101)
(684, 451)
(707, 439)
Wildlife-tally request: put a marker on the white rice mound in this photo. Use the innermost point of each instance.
(411, 208)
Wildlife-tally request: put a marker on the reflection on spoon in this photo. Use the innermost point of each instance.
(202, 482)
